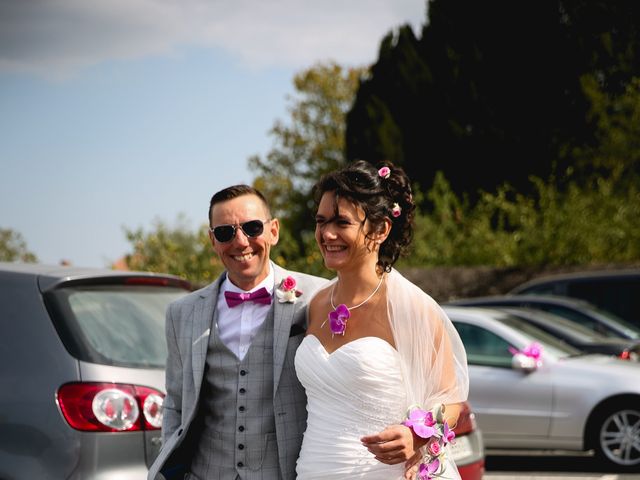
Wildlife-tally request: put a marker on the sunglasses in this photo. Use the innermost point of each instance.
(226, 233)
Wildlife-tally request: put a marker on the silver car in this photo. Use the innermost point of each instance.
(530, 391)
(82, 356)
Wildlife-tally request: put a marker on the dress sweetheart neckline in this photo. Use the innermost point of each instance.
(327, 352)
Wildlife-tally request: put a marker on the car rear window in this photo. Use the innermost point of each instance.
(119, 325)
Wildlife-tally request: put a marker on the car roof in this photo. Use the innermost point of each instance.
(551, 299)
(51, 275)
(584, 275)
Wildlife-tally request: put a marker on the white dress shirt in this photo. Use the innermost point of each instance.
(238, 325)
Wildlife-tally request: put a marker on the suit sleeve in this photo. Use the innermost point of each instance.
(172, 407)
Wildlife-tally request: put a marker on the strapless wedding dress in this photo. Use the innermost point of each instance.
(356, 390)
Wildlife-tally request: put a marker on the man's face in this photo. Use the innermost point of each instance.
(245, 258)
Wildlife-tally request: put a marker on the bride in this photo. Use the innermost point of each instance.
(380, 355)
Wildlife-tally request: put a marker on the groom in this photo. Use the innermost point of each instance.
(234, 408)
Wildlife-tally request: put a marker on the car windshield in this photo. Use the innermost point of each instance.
(618, 325)
(550, 322)
(552, 344)
(121, 325)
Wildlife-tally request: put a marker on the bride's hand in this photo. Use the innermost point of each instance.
(395, 444)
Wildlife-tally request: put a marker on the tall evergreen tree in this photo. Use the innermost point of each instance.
(492, 86)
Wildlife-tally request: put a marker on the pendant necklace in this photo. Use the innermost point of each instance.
(340, 314)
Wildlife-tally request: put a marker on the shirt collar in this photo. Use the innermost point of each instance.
(267, 283)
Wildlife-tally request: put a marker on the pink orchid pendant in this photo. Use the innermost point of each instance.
(338, 319)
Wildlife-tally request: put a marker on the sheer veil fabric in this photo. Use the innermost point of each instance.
(433, 357)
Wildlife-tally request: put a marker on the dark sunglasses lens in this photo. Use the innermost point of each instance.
(253, 228)
(224, 233)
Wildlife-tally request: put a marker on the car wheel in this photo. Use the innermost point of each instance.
(617, 438)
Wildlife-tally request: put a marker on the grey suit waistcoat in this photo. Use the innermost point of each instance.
(238, 437)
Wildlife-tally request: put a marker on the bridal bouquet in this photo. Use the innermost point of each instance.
(431, 425)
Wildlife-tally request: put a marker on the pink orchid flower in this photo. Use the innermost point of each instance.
(426, 471)
(447, 434)
(422, 423)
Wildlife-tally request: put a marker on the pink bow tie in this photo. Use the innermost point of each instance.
(259, 296)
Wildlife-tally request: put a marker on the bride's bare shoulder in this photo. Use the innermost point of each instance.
(320, 298)
(318, 305)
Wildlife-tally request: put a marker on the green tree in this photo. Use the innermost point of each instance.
(616, 149)
(310, 144)
(13, 248)
(564, 222)
(174, 249)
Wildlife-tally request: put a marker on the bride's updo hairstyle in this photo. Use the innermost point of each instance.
(382, 191)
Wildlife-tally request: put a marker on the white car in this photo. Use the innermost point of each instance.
(530, 391)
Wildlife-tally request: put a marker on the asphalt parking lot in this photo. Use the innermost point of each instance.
(545, 467)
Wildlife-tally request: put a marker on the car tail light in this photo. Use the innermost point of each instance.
(110, 407)
(633, 355)
(466, 420)
(151, 407)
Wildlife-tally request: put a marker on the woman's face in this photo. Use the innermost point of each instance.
(341, 238)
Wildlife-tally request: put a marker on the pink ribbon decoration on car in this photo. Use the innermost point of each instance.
(259, 296)
(533, 350)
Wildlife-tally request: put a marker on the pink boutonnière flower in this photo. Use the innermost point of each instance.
(286, 291)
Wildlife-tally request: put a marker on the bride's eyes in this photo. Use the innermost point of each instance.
(340, 221)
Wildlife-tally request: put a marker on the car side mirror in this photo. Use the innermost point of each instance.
(524, 363)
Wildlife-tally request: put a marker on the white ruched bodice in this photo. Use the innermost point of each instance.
(354, 391)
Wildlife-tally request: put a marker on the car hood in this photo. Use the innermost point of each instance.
(623, 373)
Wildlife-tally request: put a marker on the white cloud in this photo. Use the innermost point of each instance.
(59, 37)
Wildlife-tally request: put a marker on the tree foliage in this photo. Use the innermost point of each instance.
(310, 144)
(571, 223)
(174, 249)
(13, 247)
(617, 139)
(577, 219)
(588, 215)
(475, 94)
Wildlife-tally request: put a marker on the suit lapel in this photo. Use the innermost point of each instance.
(282, 319)
(202, 326)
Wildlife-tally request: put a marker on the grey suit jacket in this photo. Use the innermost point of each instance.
(188, 325)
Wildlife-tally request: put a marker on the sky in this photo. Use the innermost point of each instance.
(116, 115)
